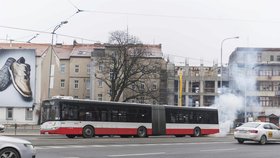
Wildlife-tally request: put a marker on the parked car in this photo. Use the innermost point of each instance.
(261, 132)
(2, 128)
(16, 148)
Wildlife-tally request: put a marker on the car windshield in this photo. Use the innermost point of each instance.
(251, 124)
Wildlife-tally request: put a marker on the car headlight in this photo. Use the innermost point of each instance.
(28, 146)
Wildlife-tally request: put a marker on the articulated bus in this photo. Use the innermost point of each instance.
(87, 118)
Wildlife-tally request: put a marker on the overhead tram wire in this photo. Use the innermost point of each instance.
(78, 10)
(46, 32)
(181, 16)
(67, 19)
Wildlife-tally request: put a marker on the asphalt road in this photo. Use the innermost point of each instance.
(152, 147)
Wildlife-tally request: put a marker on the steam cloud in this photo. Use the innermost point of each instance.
(242, 70)
(228, 106)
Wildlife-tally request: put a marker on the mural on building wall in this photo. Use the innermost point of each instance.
(17, 77)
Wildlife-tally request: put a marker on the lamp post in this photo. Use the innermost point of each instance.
(57, 27)
(50, 69)
(222, 58)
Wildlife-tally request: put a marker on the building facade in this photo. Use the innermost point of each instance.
(260, 84)
(200, 84)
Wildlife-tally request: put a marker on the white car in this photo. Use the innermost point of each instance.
(261, 132)
(16, 148)
(2, 128)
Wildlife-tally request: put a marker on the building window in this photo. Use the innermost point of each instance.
(62, 83)
(176, 85)
(154, 86)
(271, 58)
(265, 101)
(142, 86)
(87, 83)
(100, 82)
(111, 74)
(276, 72)
(101, 67)
(76, 84)
(265, 72)
(110, 91)
(259, 57)
(77, 68)
(10, 113)
(62, 68)
(265, 86)
(88, 69)
(29, 114)
(278, 57)
(99, 97)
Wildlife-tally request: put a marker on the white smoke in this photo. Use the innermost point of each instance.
(242, 72)
(228, 105)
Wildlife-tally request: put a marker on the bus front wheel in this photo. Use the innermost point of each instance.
(88, 132)
(142, 132)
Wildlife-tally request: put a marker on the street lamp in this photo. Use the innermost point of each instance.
(50, 69)
(222, 58)
(57, 27)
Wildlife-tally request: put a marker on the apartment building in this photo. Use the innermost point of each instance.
(261, 82)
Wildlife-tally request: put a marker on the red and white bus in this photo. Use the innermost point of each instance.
(87, 118)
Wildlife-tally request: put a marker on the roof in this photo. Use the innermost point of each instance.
(84, 50)
(255, 49)
(39, 48)
(66, 51)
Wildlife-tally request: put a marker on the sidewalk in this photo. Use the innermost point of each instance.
(21, 130)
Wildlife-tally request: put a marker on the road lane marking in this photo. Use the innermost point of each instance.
(140, 154)
(217, 150)
(121, 145)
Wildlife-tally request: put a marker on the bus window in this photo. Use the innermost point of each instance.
(88, 116)
(115, 115)
(104, 115)
(69, 112)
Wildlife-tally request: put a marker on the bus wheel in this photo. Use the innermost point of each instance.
(142, 132)
(88, 132)
(70, 136)
(196, 132)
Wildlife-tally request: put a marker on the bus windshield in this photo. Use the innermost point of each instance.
(50, 111)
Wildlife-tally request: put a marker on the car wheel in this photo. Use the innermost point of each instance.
(240, 141)
(88, 132)
(142, 132)
(9, 153)
(263, 140)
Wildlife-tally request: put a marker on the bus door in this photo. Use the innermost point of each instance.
(158, 120)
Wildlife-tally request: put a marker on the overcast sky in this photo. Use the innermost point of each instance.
(185, 28)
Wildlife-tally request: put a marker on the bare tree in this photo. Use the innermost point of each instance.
(128, 68)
